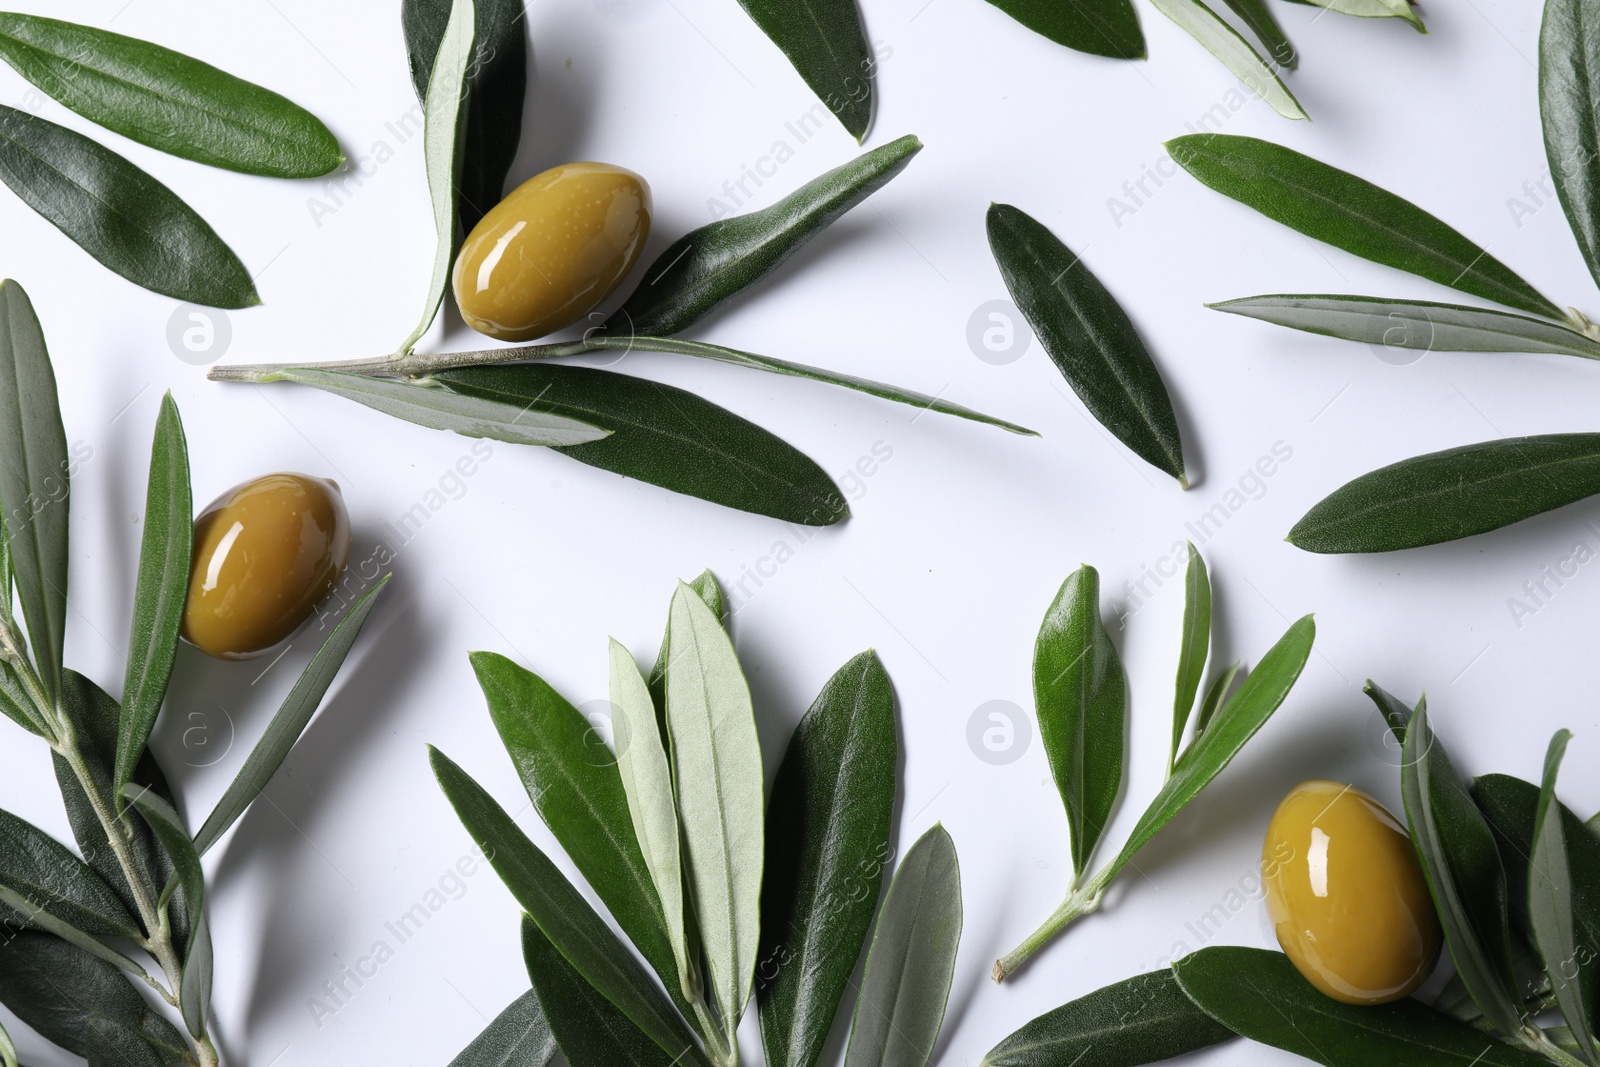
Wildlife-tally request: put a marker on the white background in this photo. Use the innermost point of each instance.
(957, 544)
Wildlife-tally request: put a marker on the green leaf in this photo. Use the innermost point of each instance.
(1259, 18)
(561, 912)
(1242, 61)
(1215, 696)
(1569, 106)
(647, 782)
(826, 43)
(449, 409)
(51, 879)
(590, 1031)
(1348, 212)
(668, 437)
(35, 476)
(1570, 962)
(1194, 648)
(443, 148)
(195, 995)
(289, 723)
(118, 214)
(1141, 1020)
(1262, 693)
(518, 1037)
(717, 760)
(1374, 9)
(1396, 714)
(1464, 874)
(497, 90)
(1081, 698)
(906, 983)
(832, 806)
(1259, 994)
(167, 100)
(706, 267)
(1457, 493)
(160, 591)
(1088, 336)
(17, 705)
(1108, 28)
(8, 1050)
(1415, 324)
(573, 781)
(82, 1003)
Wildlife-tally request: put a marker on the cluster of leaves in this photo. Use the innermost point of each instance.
(115, 211)
(1515, 877)
(669, 834)
(1111, 28)
(73, 929)
(1474, 488)
(1081, 698)
(632, 426)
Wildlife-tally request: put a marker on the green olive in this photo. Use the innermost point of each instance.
(265, 554)
(1347, 896)
(549, 253)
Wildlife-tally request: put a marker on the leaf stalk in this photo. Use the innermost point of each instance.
(1080, 902)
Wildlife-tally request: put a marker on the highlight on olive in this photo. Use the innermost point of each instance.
(266, 553)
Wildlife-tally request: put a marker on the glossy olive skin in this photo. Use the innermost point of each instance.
(549, 253)
(265, 554)
(1347, 896)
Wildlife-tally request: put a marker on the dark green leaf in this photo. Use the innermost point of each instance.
(1396, 715)
(1569, 105)
(668, 437)
(826, 43)
(1088, 336)
(497, 91)
(34, 477)
(590, 1031)
(1226, 43)
(906, 984)
(1259, 994)
(41, 870)
(1348, 212)
(828, 824)
(1256, 15)
(118, 214)
(1142, 1020)
(1456, 493)
(518, 1037)
(1464, 874)
(1102, 28)
(709, 266)
(158, 596)
(170, 831)
(1415, 324)
(289, 723)
(1194, 647)
(82, 1003)
(168, 100)
(573, 781)
(561, 912)
(1215, 697)
(1081, 698)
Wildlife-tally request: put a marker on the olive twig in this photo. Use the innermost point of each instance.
(1080, 902)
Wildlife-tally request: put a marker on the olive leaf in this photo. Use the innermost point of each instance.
(1336, 207)
(668, 437)
(119, 214)
(167, 100)
(8, 1050)
(1462, 866)
(1242, 61)
(1193, 649)
(1443, 496)
(22, 913)
(1259, 18)
(1110, 28)
(826, 43)
(708, 589)
(708, 266)
(50, 879)
(1260, 995)
(518, 1037)
(832, 806)
(1414, 324)
(1396, 715)
(1374, 9)
(906, 983)
(289, 723)
(160, 590)
(1215, 697)
(195, 994)
(1569, 105)
(1141, 1020)
(1088, 336)
(1081, 698)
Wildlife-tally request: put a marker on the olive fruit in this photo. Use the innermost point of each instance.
(1346, 895)
(265, 554)
(549, 253)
